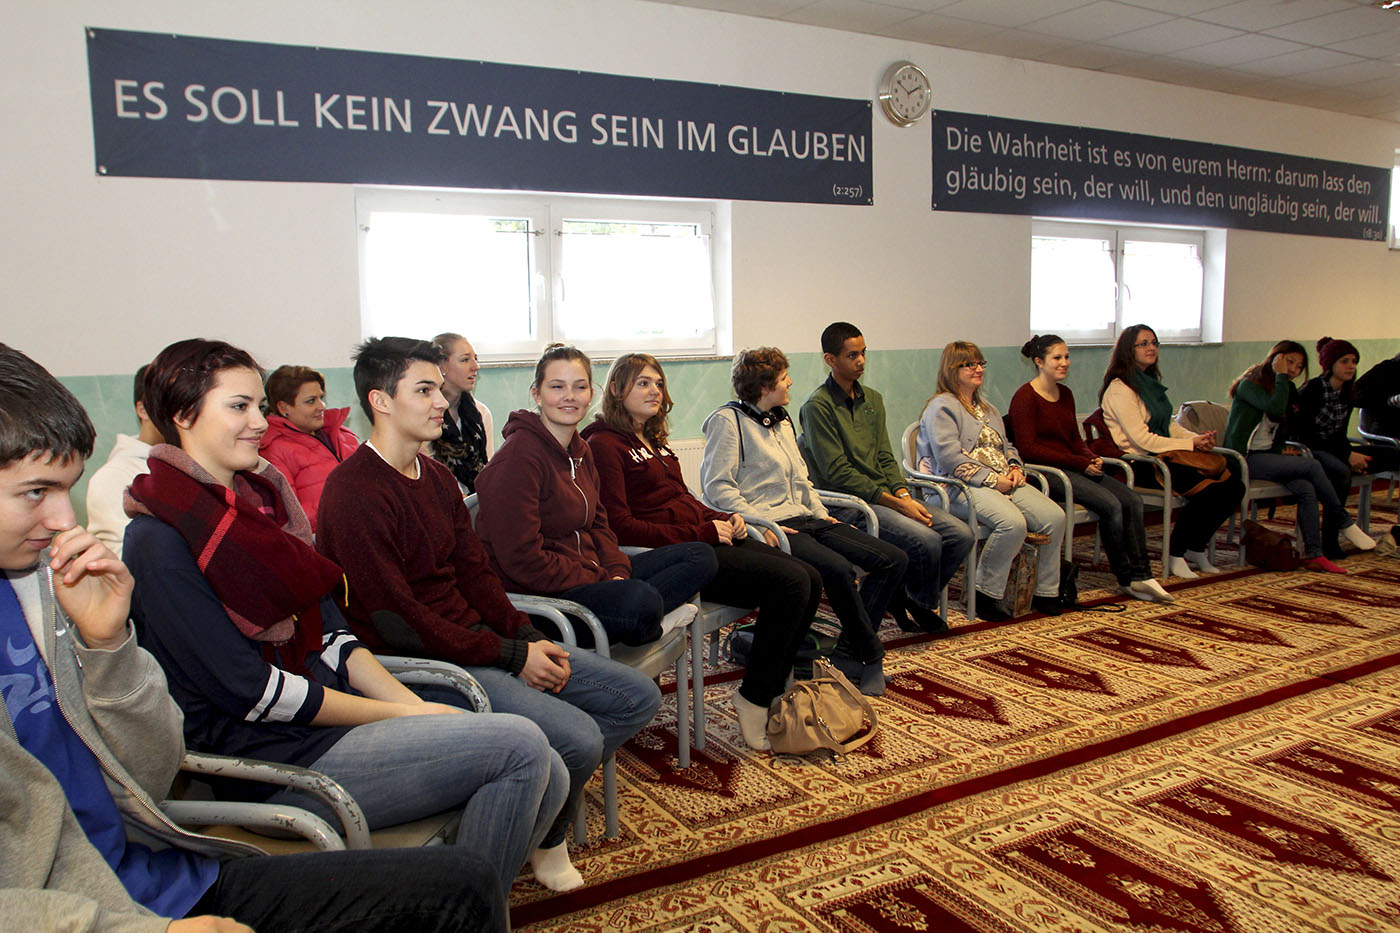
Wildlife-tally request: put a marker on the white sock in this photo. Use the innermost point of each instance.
(753, 723)
(1151, 590)
(1177, 567)
(554, 870)
(1357, 538)
(1201, 562)
(679, 617)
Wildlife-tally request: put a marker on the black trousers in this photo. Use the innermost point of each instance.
(1204, 513)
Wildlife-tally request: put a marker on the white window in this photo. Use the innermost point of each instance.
(1394, 223)
(1089, 281)
(515, 273)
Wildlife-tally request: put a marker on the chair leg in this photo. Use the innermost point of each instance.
(581, 821)
(610, 827)
(682, 714)
(971, 583)
(1363, 507)
(697, 688)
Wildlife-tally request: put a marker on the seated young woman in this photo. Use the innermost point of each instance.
(236, 605)
(305, 440)
(649, 506)
(752, 465)
(961, 434)
(468, 430)
(543, 521)
(1139, 419)
(1260, 403)
(1042, 417)
(1325, 404)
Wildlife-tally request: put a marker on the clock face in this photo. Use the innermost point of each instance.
(905, 93)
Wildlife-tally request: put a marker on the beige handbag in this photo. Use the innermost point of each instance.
(821, 713)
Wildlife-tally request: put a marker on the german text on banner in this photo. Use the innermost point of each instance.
(996, 165)
(185, 107)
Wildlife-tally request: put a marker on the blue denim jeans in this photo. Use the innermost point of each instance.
(1305, 478)
(662, 578)
(1009, 517)
(498, 768)
(603, 705)
(935, 553)
(1119, 511)
(836, 550)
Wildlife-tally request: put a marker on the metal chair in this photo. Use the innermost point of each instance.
(197, 806)
(1363, 509)
(652, 659)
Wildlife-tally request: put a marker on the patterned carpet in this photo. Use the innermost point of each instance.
(1230, 762)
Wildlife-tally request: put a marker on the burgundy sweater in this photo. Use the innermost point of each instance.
(407, 546)
(541, 515)
(1048, 432)
(646, 497)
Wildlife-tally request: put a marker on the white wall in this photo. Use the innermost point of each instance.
(100, 273)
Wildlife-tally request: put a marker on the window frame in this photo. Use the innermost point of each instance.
(1210, 248)
(547, 213)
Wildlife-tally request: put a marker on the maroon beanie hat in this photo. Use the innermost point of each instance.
(1329, 351)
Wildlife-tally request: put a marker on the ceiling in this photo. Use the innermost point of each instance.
(1340, 55)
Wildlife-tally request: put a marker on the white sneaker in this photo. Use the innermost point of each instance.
(1353, 535)
(1177, 567)
(1149, 590)
(1201, 562)
(679, 617)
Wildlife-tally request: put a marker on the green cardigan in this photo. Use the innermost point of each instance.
(846, 446)
(1250, 405)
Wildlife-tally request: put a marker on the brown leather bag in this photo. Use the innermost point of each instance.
(1194, 470)
(821, 713)
(1268, 549)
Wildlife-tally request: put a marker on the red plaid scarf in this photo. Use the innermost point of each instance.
(253, 545)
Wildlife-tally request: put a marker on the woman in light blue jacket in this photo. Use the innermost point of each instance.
(962, 435)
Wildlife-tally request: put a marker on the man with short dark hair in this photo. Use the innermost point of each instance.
(420, 583)
(105, 516)
(847, 447)
(90, 741)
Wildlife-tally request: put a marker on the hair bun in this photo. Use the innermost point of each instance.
(1322, 342)
(1028, 348)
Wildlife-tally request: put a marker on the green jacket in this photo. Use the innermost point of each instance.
(1248, 408)
(845, 443)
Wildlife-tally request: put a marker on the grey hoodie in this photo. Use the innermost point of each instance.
(756, 469)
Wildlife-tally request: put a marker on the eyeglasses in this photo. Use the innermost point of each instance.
(1146, 343)
(974, 364)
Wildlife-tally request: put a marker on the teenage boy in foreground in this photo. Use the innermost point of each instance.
(420, 583)
(847, 447)
(90, 740)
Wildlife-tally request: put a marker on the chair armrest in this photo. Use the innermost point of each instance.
(1383, 440)
(756, 526)
(830, 497)
(928, 486)
(1040, 471)
(263, 816)
(560, 612)
(318, 785)
(1121, 465)
(1229, 453)
(430, 672)
(632, 550)
(1159, 469)
(1036, 474)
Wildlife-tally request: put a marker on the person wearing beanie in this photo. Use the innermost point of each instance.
(1325, 405)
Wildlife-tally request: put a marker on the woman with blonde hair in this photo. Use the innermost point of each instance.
(649, 506)
(468, 430)
(962, 435)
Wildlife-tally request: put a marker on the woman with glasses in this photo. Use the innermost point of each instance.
(1139, 419)
(1042, 414)
(961, 434)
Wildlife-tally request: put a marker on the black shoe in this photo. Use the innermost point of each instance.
(928, 622)
(987, 609)
(1048, 605)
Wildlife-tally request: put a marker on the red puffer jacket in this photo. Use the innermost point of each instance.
(305, 459)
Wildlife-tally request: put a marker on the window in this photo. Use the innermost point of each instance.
(515, 273)
(1089, 281)
(1394, 223)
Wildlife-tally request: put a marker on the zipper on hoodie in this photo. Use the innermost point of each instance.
(578, 535)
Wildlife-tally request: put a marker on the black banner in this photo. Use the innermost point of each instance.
(183, 107)
(995, 165)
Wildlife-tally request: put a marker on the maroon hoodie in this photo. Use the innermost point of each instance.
(647, 500)
(541, 515)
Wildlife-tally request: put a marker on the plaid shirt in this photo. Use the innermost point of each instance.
(1332, 417)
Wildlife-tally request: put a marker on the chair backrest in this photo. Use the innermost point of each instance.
(1097, 436)
(909, 445)
(1200, 416)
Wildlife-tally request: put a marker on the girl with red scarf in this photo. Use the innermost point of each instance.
(234, 602)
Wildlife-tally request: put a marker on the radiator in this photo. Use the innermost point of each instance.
(689, 451)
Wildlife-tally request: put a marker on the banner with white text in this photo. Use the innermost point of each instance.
(995, 165)
(185, 107)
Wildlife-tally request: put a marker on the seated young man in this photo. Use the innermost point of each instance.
(847, 447)
(106, 517)
(420, 583)
(92, 741)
